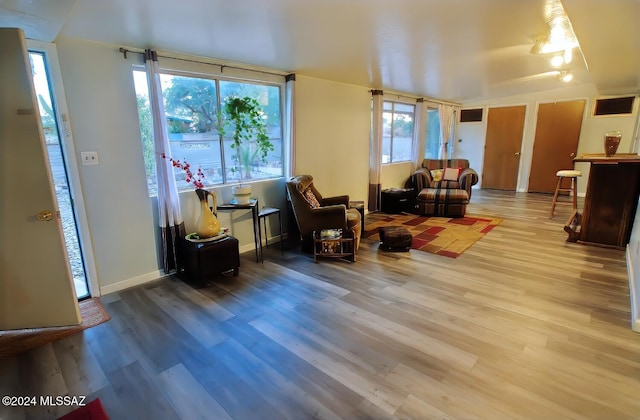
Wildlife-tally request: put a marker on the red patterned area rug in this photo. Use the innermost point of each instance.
(448, 237)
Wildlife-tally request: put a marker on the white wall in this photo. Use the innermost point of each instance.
(122, 217)
(591, 135)
(394, 175)
(333, 122)
(104, 118)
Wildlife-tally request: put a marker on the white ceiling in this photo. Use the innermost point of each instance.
(455, 50)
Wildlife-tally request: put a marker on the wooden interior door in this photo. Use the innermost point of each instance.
(556, 143)
(502, 147)
(36, 286)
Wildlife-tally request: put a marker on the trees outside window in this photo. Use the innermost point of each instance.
(397, 131)
(192, 108)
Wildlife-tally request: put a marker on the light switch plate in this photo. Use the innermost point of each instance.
(89, 158)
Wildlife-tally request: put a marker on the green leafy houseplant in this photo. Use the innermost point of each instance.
(244, 116)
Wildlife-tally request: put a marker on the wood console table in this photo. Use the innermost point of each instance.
(610, 203)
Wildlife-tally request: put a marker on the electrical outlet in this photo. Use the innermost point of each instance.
(89, 158)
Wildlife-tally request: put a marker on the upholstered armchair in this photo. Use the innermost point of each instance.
(467, 177)
(443, 187)
(313, 212)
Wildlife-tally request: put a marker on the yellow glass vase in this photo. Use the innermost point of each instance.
(207, 225)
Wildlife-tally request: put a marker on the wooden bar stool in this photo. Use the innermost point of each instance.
(573, 189)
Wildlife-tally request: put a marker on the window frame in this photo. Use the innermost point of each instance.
(217, 78)
(391, 136)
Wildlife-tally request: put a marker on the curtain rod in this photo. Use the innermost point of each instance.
(438, 101)
(125, 51)
(424, 99)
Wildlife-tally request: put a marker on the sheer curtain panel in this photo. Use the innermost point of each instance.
(169, 215)
(446, 114)
(375, 159)
(419, 133)
(289, 124)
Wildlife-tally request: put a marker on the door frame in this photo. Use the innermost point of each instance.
(68, 147)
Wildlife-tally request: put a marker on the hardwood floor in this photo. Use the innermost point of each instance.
(522, 325)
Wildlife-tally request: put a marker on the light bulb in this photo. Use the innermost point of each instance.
(566, 76)
(557, 61)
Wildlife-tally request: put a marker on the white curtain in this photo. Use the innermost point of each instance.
(169, 215)
(375, 157)
(446, 114)
(419, 133)
(289, 125)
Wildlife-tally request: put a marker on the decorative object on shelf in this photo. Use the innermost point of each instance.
(330, 233)
(207, 225)
(334, 243)
(331, 241)
(194, 237)
(241, 194)
(611, 142)
(245, 118)
(197, 179)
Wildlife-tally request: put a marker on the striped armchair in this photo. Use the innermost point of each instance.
(443, 197)
(467, 178)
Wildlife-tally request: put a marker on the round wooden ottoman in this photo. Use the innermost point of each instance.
(395, 238)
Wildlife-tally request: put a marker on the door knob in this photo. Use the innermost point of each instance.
(572, 155)
(516, 154)
(45, 216)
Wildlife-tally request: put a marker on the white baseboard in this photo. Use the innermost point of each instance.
(155, 275)
(134, 281)
(633, 293)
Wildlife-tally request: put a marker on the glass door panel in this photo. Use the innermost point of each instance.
(55, 153)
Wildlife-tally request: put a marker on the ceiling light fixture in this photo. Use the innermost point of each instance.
(557, 60)
(566, 76)
(560, 37)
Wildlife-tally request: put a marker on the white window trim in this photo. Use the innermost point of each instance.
(400, 100)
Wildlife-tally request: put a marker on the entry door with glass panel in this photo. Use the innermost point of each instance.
(58, 165)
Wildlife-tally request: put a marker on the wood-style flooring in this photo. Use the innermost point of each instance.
(522, 325)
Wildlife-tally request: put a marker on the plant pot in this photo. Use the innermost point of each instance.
(241, 194)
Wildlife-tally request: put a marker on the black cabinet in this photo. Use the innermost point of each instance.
(398, 200)
(202, 261)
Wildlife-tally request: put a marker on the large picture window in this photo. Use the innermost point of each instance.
(397, 129)
(192, 109)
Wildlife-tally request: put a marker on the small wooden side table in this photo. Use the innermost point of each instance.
(338, 246)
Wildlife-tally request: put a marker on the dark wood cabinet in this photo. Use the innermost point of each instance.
(202, 261)
(611, 199)
(398, 200)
